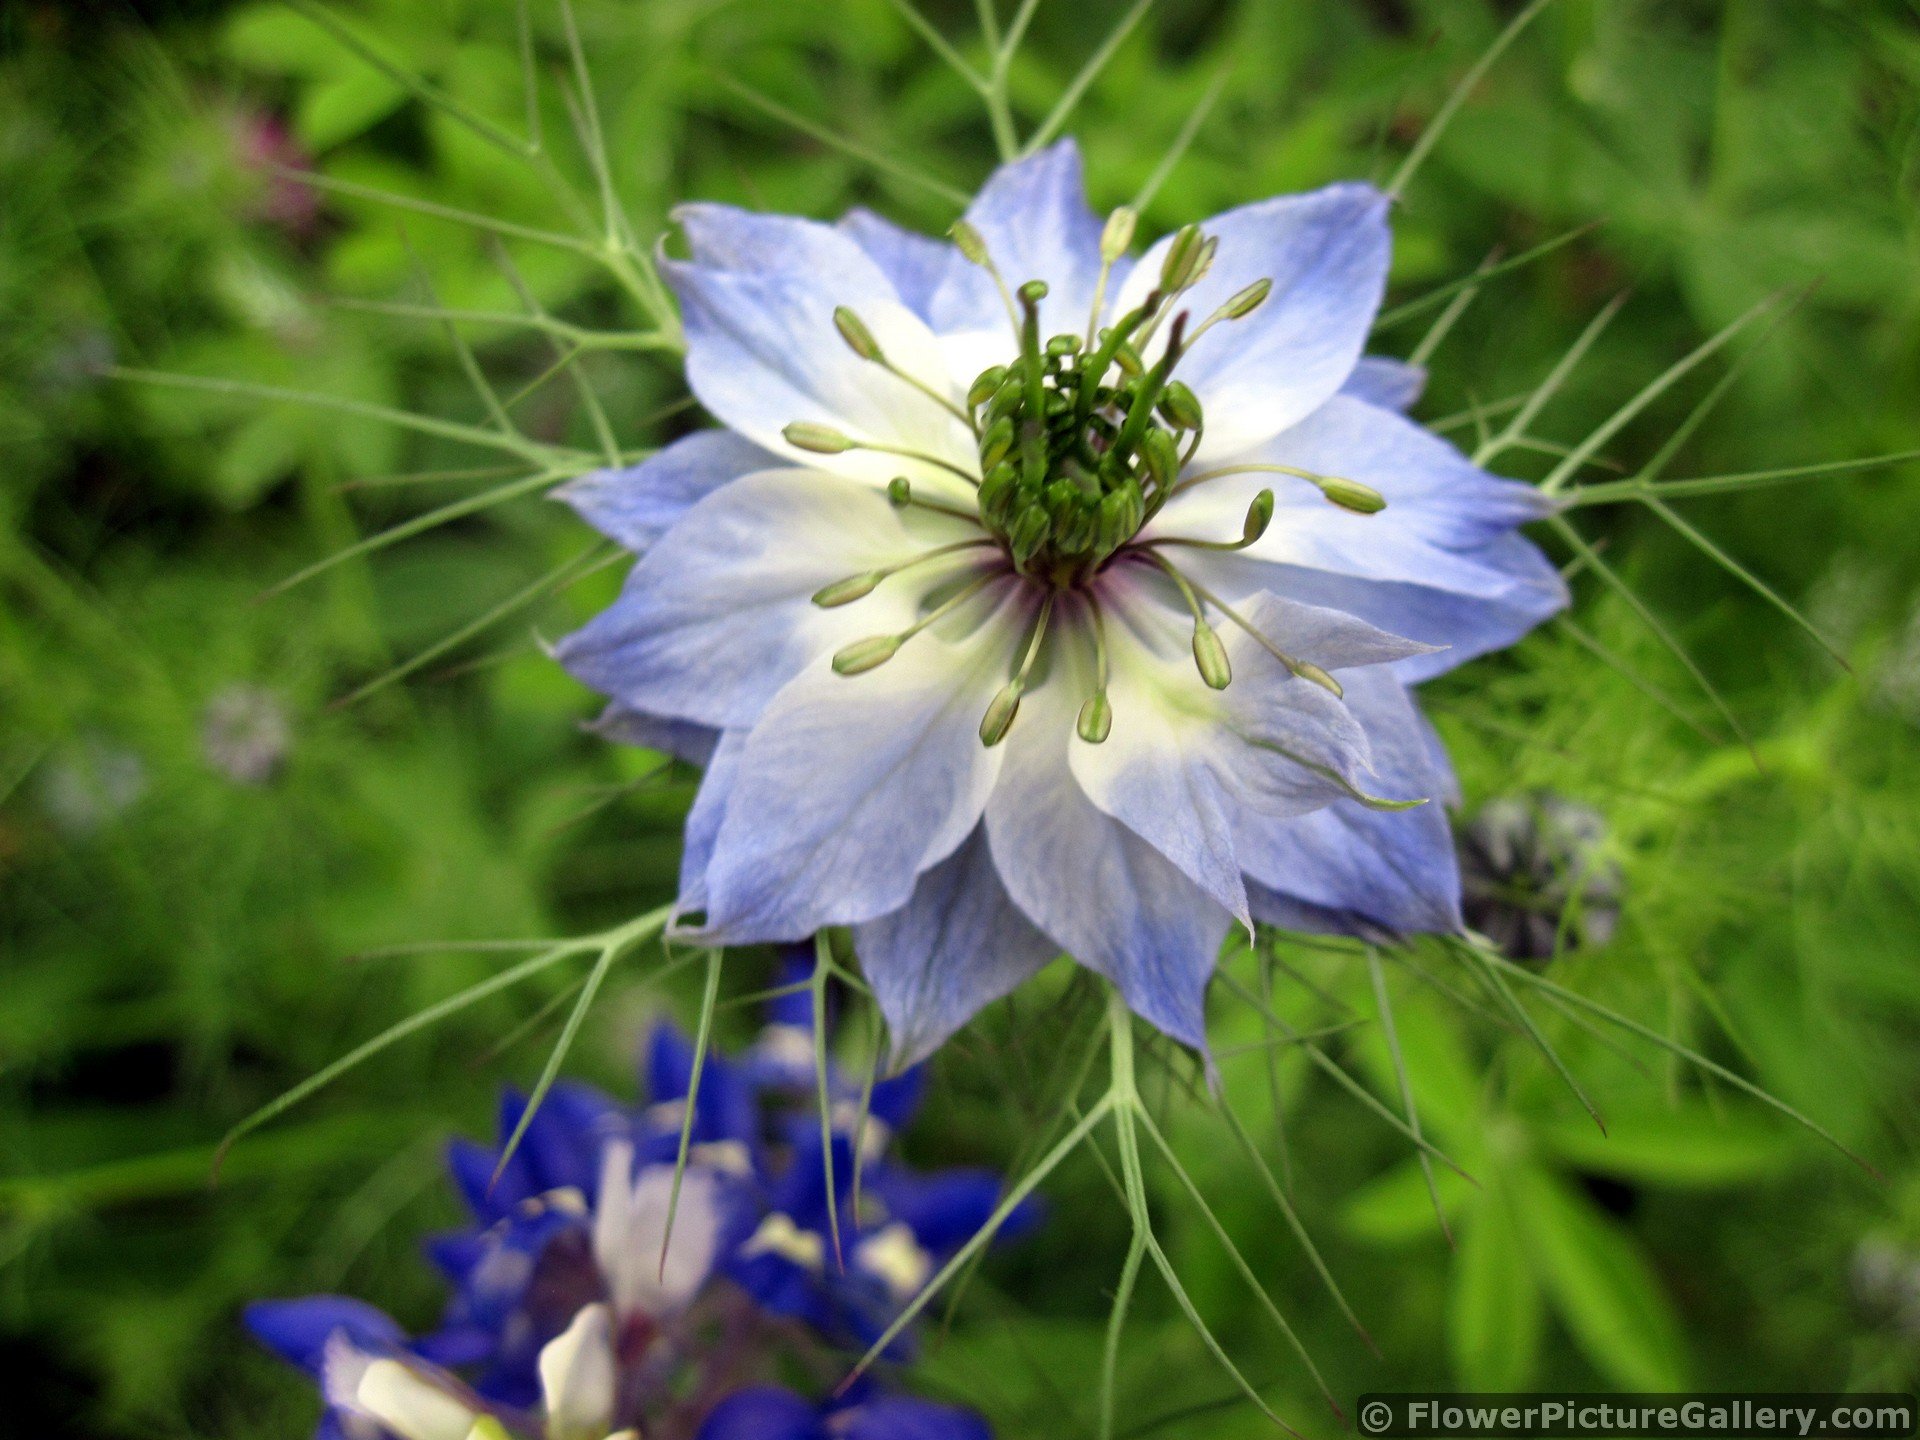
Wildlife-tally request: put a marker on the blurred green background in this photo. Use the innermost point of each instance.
(199, 845)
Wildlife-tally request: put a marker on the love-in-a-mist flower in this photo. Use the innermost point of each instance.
(1033, 600)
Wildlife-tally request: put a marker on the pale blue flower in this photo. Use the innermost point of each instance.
(1097, 737)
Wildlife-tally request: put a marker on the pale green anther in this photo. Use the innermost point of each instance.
(1307, 670)
(820, 439)
(1162, 455)
(996, 443)
(1209, 654)
(1209, 248)
(1061, 346)
(1033, 292)
(1352, 495)
(1180, 406)
(1096, 718)
(900, 491)
(999, 717)
(985, 386)
(1259, 516)
(1117, 235)
(971, 243)
(854, 331)
(1183, 255)
(1247, 301)
(845, 592)
(864, 655)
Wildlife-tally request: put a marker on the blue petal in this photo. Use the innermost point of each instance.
(1033, 215)
(1441, 509)
(638, 505)
(298, 1330)
(1102, 893)
(947, 1209)
(1183, 759)
(780, 1287)
(718, 615)
(563, 1140)
(895, 1100)
(726, 1109)
(850, 786)
(958, 945)
(800, 1191)
(725, 237)
(682, 739)
(1389, 871)
(1386, 382)
(454, 1254)
(900, 1417)
(763, 351)
(703, 820)
(472, 1164)
(764, 1412)
(914, 263)
(457, 1346)
(1466, 625)
(796, 1007)
(1326, 254)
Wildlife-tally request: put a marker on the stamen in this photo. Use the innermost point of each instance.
(858, 587)
(1187, 261)
(1209, 655)
(1006, 704)
(973, 245)
(1347, 494)
(1141, 414)
(863, 655)
(1238, 307)
(900, 495)
(1033, 454)
(1162, 454)
(818, 439)
(1181, 265)
(1096, 715)
(860, 340)
(1305, 669)
(824, 440)
(1115, 240)
(876, 650)
(1112, 342)
(1259, 516)
(1180, 407)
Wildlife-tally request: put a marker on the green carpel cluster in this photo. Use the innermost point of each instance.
(1080, 443)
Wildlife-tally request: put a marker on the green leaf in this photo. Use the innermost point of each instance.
(1395, 1209)
(1442, 1076)
(1601, 1286)
(1495, 1312)
(1687, 1146)
(344, 106)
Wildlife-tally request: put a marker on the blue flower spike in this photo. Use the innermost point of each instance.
(574, 1314)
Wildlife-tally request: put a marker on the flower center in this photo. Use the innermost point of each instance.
(1081, 440)
(1081, 443)
(1070, 462)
